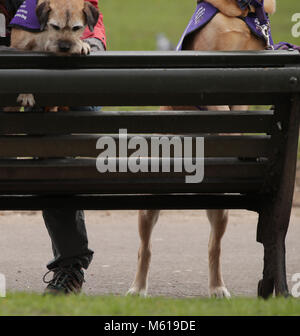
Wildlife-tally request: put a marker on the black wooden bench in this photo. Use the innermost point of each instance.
(48, 159)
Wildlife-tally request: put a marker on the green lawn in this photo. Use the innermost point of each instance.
(133, 24)
(34, 304)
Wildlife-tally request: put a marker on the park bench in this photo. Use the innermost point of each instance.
(48, 159)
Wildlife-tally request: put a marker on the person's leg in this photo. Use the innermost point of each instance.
(66, 228)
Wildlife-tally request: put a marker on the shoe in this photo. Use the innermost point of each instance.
(66, 280)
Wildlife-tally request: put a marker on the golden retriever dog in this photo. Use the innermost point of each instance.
(62, 24)
(226, 31)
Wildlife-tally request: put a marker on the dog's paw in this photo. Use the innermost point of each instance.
(133, 291)
(26, 100)
(82, 48)
(219, 292)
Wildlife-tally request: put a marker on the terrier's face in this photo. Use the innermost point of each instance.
(64, 23)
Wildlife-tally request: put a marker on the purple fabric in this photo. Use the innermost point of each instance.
(26, 17)
(259, 7)
(260, 11)
(286, 46)
(243, 4)
(253, 23)
(205, 12)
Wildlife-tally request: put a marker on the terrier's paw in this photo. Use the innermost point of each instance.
(82, 48)
(26, 100)
(133, 291)
(219, 292)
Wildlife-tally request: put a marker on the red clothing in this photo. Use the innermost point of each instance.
(99, 30)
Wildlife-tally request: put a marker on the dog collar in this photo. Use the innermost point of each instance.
(26, 18)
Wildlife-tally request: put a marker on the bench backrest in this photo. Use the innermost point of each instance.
(241, 148)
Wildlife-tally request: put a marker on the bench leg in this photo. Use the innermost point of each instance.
(274, 273)
(274, 215)
(281, 286)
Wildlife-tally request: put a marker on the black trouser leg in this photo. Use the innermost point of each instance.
(67, 231)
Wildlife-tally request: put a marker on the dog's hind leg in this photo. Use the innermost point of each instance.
(218, 221)
(147, 220)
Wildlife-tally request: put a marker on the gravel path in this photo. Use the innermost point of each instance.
(179, 263)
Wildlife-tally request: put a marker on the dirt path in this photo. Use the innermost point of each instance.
(179, 266)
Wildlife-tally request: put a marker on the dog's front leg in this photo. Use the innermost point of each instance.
(147, 220)
(218, 221)
(26, 100)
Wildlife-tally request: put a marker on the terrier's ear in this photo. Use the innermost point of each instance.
(91, 15)
(42, 13)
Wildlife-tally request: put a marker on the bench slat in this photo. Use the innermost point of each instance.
(149, 59)
(206, 98)
(85, 169)
(120, 86)
(131, 202)
(85, 146)
(150, 186)
(172, 122)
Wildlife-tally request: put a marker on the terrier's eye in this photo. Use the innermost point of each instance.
(75, 28)
(55, 27)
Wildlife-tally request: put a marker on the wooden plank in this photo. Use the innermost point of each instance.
(131, 202)
(123, 99)
(11, 59)
(144, 84)
(85, 146)
(149, 186)
(85, 169)
(172, 122)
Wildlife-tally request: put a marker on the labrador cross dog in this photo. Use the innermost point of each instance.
(226, 31)
(62, 23)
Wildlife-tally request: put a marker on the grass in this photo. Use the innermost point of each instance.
(34, 304)
(282, 23)
(134, 24)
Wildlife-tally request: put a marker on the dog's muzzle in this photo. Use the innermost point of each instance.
(64, 46)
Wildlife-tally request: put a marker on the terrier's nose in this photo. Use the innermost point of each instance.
(64, 46)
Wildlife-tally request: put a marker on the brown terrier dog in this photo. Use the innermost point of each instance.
(62, 24)
(226, 31)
